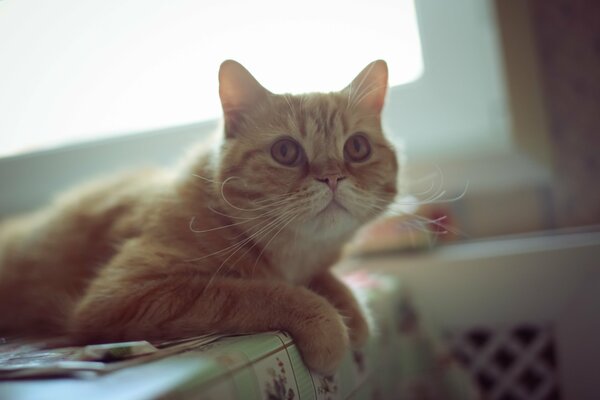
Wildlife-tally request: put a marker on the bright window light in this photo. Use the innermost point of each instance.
(73, 70)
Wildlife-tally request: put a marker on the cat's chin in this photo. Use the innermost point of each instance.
(333, 208)
(334, 221)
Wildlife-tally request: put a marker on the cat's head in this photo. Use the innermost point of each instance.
(317, 162)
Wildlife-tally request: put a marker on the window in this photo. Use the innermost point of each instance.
(79, 70)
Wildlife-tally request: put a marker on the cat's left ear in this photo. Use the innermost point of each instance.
(237, 87)
(367, 91)
(239, 91)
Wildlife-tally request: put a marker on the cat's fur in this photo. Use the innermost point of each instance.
(120, 260)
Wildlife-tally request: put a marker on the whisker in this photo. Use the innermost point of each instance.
(288, 199)
(232, 246)
(428, 177)
(368, 90)
(424, 192)
(206, 179)
(273, 210)
(193, 219)
(436, 222)
(297, 193)
(437, 198)
(269, 242)
(227, 215)
(269, 227)
(228, 202)
(293, 114)
(359, 87)
(225, 199)
(282, 226)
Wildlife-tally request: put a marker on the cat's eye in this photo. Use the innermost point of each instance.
(286, 152)
(357, 148)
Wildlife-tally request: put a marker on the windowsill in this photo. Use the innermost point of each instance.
(482, 171)
(34, 178)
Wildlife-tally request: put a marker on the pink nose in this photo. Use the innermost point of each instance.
(331, 180)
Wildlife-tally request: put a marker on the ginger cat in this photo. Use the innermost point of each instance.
(238, 240)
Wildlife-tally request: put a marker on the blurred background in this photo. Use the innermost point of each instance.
(495, 103)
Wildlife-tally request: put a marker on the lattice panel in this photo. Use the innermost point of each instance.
(511, 363)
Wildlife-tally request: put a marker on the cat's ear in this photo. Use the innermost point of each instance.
(238, 90)
(367, 90)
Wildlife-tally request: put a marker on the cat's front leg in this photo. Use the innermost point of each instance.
(329, 286)
(127, 305)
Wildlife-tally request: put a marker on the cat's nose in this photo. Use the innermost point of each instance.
(331, 180)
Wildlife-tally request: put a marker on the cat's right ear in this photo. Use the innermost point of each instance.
(238, 91)
(368, 89)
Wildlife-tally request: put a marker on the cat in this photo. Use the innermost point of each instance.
(232, 241)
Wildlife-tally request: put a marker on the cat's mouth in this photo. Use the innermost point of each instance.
(332, 207)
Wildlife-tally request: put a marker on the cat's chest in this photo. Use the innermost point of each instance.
(299, 261)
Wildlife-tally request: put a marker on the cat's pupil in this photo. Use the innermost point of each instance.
(284, 150)
(356, 143)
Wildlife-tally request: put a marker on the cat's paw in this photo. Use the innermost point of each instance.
(358, 327)
(323, 341)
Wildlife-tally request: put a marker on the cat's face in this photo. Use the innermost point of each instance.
(316, 162)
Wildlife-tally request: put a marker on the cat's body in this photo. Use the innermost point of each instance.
(240, 240)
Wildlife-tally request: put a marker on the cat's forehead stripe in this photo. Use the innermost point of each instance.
(323, 114)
